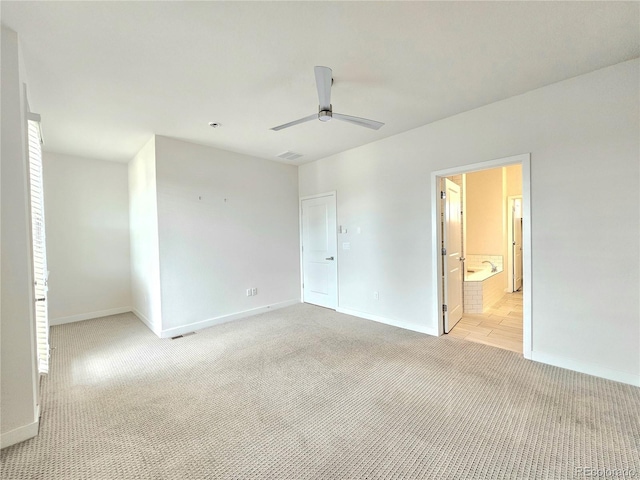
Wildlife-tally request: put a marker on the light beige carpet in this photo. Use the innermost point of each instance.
(307, 393)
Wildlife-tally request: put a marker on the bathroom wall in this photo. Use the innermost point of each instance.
(514, 180)
(484, 212)
(485, 219)
(512, 187)
(475, 261)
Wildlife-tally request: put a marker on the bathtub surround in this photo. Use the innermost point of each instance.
(474, 261)
(482, 287)
(482, 290)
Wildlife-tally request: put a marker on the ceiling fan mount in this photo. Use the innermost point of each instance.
(325, 115)
(324, 81)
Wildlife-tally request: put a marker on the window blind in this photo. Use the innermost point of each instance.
(40, 272)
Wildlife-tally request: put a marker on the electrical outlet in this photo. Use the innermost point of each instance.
(249, 292)
(254, 291)
(376, 296)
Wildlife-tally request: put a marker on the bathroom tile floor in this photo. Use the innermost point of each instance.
(500, 326)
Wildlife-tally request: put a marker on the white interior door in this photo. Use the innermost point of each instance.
(452, 255)
(319, 251)
(517, 244)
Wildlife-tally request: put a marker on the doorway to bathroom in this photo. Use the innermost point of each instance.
(481, 242)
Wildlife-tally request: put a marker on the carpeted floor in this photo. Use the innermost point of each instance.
(307, 393)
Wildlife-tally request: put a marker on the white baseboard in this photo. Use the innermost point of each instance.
(210, 322)
(588, 368)
(21, 434)
(146, 321)
(88, 316)
(388, 321)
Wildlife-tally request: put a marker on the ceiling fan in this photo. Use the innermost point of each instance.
(324, 80)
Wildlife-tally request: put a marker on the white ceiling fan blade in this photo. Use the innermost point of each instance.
(363, 122)
(296, 122)
(324, 75)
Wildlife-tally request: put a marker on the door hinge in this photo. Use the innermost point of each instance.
(444, 308)
(444, 251)
(443, 195)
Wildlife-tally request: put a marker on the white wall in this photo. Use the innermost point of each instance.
(143, 221)
(18, 369)
(87, 227)
(227, 222)
(583, 137)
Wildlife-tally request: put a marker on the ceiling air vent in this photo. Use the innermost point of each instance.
(288, 155)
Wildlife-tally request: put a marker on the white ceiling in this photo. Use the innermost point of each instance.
(105, 76)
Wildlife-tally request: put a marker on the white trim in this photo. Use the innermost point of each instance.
(319, 195)
(21, 434)
(210, 322)
(333, 193)
(88, 316)
(388, 321)
(509, 269)
(146, 321)
(525, 160)
(527, 300)
(588, 368)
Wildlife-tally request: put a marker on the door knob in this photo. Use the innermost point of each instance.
(329, 258)
(40, 299)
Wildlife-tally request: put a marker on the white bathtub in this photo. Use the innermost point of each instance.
(479, 275)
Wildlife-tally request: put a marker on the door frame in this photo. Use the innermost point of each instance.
(510, 259)
(333, 194)
(436, 238)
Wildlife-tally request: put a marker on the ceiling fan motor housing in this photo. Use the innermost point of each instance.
(325, 115)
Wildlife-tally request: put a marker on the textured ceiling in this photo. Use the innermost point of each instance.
(105, 76)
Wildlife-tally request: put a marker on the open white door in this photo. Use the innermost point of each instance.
(452, 255)
(319, 251)
(517, 244)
